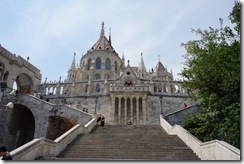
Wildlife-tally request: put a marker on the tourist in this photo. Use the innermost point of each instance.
(129, 122)
(25, 91)
(5, 154)
(41, 96)
(35, 94)
(99, 119)
(102, 121)
(184, 106)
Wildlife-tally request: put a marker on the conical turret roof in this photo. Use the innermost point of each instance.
(73, 67)
(142, 65)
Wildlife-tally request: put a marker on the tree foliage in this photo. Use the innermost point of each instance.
(212, 75)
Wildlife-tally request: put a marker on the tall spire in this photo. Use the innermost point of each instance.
(73, 67)
(123, 57)
(142, 65)
(102, 30)
(110, 36)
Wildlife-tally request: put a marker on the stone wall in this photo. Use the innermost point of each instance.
(153, 109)
(177, 117)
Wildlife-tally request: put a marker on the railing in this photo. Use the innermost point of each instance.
(47, 148)
(212, 150)
(128, 88)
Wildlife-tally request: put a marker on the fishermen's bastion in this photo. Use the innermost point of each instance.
(102, 82)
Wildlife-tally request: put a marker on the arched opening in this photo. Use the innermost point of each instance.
(173, 88)
(24, 82)
(15, 87)
(122, 112)
(116, 110)
(21, 125)
(115, 66)
(129, 114)
(128, 83)
(89, 64)
(58, 125)
(134, 110)
(2, 69)
(97, 89)
(5, 76)
(97, 76)
(140, 111)
(61, 90)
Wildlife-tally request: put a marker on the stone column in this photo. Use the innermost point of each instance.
(119, 110)
(113, 109)
(58, 90)
(131, 109)
(144, 111)
(137, 111)
(105, 87)
(88, 88)
(151, 87)
(126, 109)
(73, 89)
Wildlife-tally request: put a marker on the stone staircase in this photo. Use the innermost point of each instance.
(128, 142)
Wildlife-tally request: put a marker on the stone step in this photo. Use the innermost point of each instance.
(127, 143)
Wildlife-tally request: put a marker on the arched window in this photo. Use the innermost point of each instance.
(97, 77)
(97, 88)
(115, 65)
(107, 64)
(98, 63)
(106, 76)
(89, 64)
(5, 76)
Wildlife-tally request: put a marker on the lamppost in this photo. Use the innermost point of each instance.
(96, 98)
(161, 103)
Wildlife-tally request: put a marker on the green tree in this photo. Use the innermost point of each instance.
(212, 75)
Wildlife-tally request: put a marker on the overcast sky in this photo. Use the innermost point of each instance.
(50, 31)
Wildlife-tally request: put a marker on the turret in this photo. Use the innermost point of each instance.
(72, 71)
(142, 72)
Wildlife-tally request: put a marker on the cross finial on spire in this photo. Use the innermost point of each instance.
(158, 57)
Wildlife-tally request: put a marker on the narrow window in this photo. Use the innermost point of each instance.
(107, 64)
(89, 64)
(98, 63)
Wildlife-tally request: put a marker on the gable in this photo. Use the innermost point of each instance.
(128, 77)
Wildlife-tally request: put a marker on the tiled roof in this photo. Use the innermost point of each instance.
(102, 44)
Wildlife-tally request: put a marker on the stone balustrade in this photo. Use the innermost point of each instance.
(128, 89)
(212, 150)
(42, 147)
(78, 89)
(21, 62)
